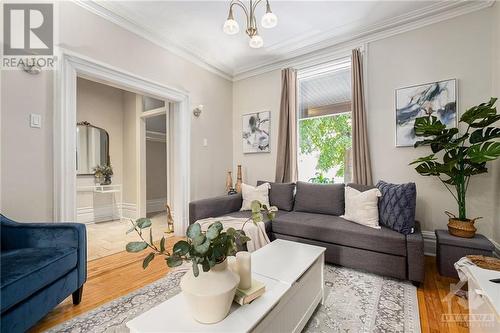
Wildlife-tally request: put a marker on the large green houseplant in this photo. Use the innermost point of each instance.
(459, 155)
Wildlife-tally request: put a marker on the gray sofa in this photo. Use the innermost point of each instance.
(308, 219)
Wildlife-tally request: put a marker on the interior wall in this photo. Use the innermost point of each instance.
(131, 102)
(454, 55)
(27, 164)
(256, 94)
(26, 153)
(102, 106)
(462, 48)
(156, 170)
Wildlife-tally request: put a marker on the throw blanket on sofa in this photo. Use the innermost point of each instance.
(257, 233)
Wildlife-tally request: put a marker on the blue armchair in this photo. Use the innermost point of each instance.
(40, 265)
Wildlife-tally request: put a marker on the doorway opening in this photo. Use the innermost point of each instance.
(121, 139)
(74, 67)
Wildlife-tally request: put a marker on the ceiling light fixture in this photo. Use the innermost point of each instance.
(269, 20)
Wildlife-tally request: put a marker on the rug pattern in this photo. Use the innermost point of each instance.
(355, 301)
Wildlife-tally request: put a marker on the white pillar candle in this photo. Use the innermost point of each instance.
(243, 259)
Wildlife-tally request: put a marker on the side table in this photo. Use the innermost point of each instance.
(449, 249)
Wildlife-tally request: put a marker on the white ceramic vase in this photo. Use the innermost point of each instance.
(209, 296)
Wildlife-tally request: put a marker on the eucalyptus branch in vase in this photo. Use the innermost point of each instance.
(205, 248)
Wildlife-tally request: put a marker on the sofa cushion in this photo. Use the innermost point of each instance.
(281, 195)
(27, 270)
(362, 207)
(336, 230)
(251, 193)
(320, 198)
(397, 206)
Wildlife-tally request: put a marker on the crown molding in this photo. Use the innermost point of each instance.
(332, 48)
(300, 51)
(141, 31)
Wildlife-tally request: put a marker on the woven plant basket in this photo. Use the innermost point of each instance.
(485, 262)
(461, 228)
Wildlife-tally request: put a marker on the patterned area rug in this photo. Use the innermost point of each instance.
(354, 302)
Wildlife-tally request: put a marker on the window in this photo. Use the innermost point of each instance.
(324, 124)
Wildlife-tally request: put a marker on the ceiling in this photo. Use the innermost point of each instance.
(194, 28)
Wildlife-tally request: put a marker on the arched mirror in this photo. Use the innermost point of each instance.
(92, 148)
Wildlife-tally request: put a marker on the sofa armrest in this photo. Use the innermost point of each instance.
(41, 235)
(214, 207)
(415, 255)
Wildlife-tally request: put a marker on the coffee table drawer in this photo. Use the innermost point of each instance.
(297, 305)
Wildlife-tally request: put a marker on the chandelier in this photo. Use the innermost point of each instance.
(269, 20)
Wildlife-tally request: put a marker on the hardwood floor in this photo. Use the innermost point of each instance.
(433, 303)
(108, 278)
(119, 274)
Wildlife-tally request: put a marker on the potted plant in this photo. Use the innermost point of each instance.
(208, 287)
(461, 156)
(103, 171)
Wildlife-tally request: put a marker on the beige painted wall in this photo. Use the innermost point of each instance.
(156, 170)
(409, 59)
(459, 48)
(102, 106)
(131, 103)
(26, 153)
(27, 163)
(255, 94)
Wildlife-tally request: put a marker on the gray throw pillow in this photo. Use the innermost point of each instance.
(281, 195)
(396, 206)
(320, 198)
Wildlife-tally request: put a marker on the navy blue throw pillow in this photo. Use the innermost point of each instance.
(396, 206)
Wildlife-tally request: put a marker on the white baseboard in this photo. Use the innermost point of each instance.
(155, 205)
(105, 213)
(129, 210)
(430, 244)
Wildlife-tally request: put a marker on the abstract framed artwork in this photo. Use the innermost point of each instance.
(436, 98)
(256, 132)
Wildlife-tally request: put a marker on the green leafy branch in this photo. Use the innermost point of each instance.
(206, 248)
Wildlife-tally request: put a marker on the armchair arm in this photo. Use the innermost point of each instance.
(214, 207)
(41, 235)
(415, 255)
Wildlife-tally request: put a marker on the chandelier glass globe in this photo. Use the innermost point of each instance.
(231, 27)
(256, 42)
(269, 20)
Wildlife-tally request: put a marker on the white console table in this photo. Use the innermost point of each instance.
(115, 190)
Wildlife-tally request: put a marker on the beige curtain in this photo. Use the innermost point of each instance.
(286, 160)
(361, 165)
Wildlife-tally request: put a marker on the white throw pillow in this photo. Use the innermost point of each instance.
(362, 207)
(250, 193)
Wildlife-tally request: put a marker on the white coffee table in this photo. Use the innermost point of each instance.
(293, 275)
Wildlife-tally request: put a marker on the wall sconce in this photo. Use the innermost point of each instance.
(197, 110)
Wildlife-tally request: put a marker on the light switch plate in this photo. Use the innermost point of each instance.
(205, 142)
(35, 120)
